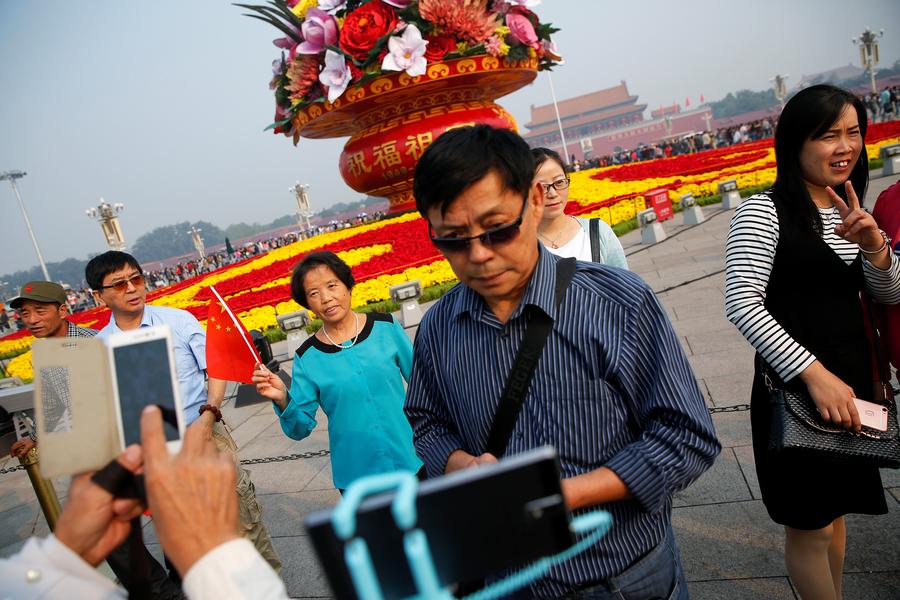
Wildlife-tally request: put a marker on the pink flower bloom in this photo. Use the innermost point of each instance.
(336, 75)
(521, 29)
(407, 52)
(283, 43)
(401, 4)
(492, 45)
(319, 30)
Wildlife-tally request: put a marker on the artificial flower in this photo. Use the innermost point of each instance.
(332, 6)
(467, 20)
(521, 29)
(492, 45)
(319, 30)
(401, 4)
(438, 47)
(336, 75)
(364, 27)
(300, 7)
(407, 53)
(550, 51)
(302, 74)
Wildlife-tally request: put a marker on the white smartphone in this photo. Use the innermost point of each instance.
(872, 415)
(142, 367)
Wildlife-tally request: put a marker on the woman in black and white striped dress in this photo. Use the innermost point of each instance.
(797, 258)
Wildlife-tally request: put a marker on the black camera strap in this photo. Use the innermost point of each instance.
(536, 333)
(122, 483)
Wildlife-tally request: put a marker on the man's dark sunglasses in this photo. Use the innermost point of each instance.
(137, 280)
(494, 237)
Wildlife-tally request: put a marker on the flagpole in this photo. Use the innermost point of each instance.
(236, 322)
(558, 120)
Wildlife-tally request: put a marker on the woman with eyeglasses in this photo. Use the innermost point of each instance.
(565, 235)
(353, 368)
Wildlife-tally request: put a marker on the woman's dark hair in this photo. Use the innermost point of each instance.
(109, 262)
(806, 116)
(462, 157)
(542, 155)
(310, 262)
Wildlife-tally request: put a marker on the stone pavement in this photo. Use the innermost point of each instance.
(729, 546)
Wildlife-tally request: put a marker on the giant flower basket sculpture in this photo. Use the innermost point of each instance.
(395, 74)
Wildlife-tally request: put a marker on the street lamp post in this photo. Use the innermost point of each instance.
(106, 214)
(301, 194)
(868, 52)
(194, 232)
(11, 177)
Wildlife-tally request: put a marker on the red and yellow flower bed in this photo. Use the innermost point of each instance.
(615, 194)
(396, 250)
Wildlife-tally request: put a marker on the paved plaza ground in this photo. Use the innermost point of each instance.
(729, 546)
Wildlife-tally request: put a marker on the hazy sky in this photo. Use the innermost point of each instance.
(162, 105)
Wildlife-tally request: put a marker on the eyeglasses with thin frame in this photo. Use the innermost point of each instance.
(495, 237)
(558, 185)
(137, 280)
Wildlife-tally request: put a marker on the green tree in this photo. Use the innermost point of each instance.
(173, 240)
(743, 101)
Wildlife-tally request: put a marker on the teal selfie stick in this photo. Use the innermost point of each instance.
(415, 543)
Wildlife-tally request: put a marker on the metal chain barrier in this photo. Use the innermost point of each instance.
(728, 409)
(286, 457)
(323, 453)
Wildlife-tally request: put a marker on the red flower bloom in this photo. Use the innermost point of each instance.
(438, 47)
(365, 26)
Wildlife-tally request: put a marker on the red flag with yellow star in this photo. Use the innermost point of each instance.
(230, 354)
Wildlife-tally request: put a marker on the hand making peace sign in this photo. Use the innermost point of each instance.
(857, 225)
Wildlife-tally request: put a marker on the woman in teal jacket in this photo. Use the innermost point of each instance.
(353, 368)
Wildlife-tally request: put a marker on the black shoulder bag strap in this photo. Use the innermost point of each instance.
(536, 333)
(594, 235)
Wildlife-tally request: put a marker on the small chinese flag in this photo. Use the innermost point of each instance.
(687, 102)
(230, 354)
(701, 98)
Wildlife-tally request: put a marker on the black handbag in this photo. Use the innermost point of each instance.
(796, 425)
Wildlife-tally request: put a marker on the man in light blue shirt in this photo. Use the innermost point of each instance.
(118, 283)
(189, 346)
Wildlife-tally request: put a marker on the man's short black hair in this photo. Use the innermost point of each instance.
(109, 262)
(310, 262)
(462, 157)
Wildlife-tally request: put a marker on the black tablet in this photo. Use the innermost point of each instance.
(478, 522)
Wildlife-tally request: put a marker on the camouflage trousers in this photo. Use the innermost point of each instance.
(251, 525)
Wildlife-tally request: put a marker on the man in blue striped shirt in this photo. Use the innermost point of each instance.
(613, 390)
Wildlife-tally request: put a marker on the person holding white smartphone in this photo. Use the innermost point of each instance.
(194, 514)
(797, 258)
(118, 283)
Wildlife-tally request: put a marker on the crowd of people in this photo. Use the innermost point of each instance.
(548, 339)
(880, 106)
(883, 105)
(683, 144)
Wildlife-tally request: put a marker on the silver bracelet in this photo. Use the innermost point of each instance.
(885, 239)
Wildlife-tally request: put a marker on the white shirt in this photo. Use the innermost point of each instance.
(47, 569)
(579, 247)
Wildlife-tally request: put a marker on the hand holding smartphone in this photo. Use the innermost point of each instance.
(143, 373)
(872, 415)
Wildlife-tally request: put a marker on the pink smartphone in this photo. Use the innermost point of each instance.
(871, 414)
